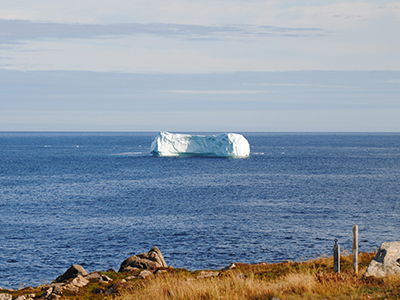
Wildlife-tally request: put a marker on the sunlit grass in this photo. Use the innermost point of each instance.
(227, 287)
(313, 279)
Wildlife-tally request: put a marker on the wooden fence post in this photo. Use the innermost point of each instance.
(336, 257)
(355, 248)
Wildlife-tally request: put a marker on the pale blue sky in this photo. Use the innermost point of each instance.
(185, 65)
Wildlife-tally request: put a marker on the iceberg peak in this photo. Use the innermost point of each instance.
(219, 145)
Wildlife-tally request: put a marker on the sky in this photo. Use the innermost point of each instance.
(184, 65)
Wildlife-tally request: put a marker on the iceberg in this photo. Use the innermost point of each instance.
(220, 145)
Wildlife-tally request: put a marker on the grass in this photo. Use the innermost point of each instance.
(290, 280)
(313, 279)
(227, 287)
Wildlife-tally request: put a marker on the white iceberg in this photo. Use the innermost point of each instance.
(220, 145)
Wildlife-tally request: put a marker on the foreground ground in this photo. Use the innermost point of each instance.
(312, 279)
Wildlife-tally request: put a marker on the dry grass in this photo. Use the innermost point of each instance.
(312, 279)
(230, 287)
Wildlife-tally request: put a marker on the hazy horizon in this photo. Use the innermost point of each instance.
(267, 66)
(301, 101)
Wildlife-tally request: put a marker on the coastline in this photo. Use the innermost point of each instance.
(312, 279)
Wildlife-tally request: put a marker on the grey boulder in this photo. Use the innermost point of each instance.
(386, 261)
(148, 260)
(73, 272)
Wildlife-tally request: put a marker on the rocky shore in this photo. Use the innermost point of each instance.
(76, 283)
(142, 265)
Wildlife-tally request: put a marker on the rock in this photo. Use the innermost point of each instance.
(231, 266)
(206, 274)
(150, 260)
(105, 278)
(5, 297)
(57, 290)
(79, 281)
(47, 293)
(71, 288)
(51, 285)
(76, 283)
(22, 297)
(386, 261)
(145, 274)
(93, 275)
(72, 272)
(99, 277)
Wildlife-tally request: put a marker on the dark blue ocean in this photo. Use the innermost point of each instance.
(96, 198)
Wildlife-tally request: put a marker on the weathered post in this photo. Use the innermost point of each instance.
(355, 248)
(336, 257)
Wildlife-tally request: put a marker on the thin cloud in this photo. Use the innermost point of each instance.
(393, 81)
(217, 92)
(16, 31)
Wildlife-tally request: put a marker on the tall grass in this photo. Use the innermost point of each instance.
(303, 285)
(227, 287)
(314, 279)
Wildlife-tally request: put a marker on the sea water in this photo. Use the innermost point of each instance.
(95, 199)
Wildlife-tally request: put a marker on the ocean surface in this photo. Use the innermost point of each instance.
(95, 199)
